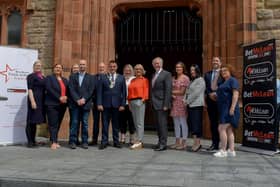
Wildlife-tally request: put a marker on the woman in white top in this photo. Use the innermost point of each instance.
(195, 102)
(126, 119)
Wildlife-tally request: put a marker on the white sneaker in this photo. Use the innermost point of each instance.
(221, 153)
(138, 145)
(231, 153)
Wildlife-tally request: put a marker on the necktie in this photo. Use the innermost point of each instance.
(112, 77)
(214, 82)
(154, 79)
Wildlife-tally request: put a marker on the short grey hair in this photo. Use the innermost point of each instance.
(160, 60)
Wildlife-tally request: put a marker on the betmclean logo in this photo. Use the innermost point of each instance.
(258, 93)
(259, 70)
(259, 50)
(259, 110)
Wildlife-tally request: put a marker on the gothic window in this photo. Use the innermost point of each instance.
(14, 23)
(12, 16)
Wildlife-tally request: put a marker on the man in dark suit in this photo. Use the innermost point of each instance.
(111, 97)
(81, 87)
(213, 80)
(161, 91)
(95, 112)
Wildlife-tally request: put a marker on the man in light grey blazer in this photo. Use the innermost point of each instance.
(161, 91)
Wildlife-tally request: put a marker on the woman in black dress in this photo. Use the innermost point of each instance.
(36, 110)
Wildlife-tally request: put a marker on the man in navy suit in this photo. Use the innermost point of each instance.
(81, 87)
(213, 80)
(111, 98)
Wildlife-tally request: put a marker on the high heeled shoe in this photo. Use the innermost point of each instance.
(196, 149)
(181, 147)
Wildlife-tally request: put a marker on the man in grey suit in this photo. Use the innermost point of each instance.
(161, 91)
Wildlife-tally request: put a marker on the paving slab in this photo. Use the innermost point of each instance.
(43, 167)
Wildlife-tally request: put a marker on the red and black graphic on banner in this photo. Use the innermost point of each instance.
(260, 129)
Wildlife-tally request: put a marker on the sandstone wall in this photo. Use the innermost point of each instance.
(268, 23)
(40, 30)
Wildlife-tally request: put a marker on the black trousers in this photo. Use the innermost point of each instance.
(278, 116)
(195, 115)
(213, 113)
(126, 120)
(96, 118)
(55, 115)
(30, 131)
(161, 124)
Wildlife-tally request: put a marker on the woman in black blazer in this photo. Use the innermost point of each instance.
(56, 102)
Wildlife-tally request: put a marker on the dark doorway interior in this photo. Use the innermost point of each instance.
(175, 34)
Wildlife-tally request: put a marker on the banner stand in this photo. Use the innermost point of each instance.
(15, 65)
(259, 95)
(258, 151)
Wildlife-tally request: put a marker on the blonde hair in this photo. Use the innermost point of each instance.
(129, 67)
(141, 67)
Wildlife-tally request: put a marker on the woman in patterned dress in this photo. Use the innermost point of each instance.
(180, 83)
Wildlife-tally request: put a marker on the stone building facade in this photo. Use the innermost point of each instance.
(268, 23)
(66, 30)
(40, 29)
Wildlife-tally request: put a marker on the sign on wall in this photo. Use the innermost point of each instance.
(15, 65)
(260, 129)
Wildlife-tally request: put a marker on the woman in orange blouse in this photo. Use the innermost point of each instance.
(138, 93)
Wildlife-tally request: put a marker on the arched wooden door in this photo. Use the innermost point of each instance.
(175, 34)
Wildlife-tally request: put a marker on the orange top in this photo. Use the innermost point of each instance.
(138, 88)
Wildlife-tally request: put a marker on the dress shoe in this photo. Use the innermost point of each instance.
(212, 148)
(35, 145)
(161, 148)
(73, 146)
(29, 145)
(156, 146)
(84, 146)
(102, 146)
(93, 143)
(117, 145)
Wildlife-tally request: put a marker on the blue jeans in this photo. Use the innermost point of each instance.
(78, 113)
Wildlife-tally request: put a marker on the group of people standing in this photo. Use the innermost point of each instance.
(121, 100)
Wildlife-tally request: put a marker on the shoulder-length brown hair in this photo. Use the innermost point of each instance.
(230, 68)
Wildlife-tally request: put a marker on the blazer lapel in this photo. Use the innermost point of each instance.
(55, 81)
